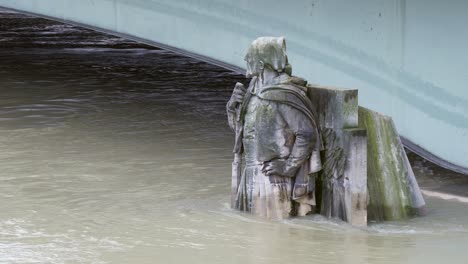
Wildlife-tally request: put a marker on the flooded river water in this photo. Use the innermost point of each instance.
(116, 152)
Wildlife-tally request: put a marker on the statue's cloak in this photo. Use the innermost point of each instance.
(295, 96)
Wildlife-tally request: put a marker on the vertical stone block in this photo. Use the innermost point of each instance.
(336, 108)
(355, 176)
(393, 190)
(343, 179)
(366, 173)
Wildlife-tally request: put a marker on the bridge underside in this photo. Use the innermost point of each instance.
(407, 58)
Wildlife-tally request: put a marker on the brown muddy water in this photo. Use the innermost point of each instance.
(116, 152)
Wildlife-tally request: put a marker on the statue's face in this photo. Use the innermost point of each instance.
(254, 66)
(249, 66)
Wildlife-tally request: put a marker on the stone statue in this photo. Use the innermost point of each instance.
(277, 134)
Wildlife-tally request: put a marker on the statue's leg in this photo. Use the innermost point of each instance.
(271, 197)
(305, 205)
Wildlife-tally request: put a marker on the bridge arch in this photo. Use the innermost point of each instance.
(407, 58)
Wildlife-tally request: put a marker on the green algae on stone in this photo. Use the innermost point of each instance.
(393, 191)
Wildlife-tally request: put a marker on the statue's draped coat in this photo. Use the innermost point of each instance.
(277, 121)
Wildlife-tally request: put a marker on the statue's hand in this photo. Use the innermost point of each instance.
(237, 96)
(277, 168)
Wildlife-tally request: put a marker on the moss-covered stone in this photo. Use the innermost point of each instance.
(393, 191)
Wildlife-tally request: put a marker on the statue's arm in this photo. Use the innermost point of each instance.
(234, 102)
(304, 131)
(231, 115)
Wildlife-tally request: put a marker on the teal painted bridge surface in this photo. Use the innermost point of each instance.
(408, 58)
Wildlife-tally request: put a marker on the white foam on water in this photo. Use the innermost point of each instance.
(445, 196)
(22, 242)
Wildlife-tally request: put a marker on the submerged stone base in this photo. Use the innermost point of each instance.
(343, 180)
(393, 190)
(355, 176)
(366, 173)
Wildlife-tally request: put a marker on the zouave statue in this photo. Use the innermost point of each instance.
(277, 136)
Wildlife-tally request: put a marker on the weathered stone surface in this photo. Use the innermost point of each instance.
(337, 108)
(277, 135)
(343, 180)
(236, 178)
(355, 176)
(393, 190)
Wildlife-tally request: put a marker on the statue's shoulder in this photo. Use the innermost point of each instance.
(292, 92)
(298, 81)
(289, 89)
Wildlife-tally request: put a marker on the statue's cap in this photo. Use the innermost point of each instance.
(270, 50)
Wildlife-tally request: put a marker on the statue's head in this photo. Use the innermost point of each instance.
(267, 52)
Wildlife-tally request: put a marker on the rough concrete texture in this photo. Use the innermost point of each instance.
(355, 176)
(343, 179)
(393, 190)
(336, 108)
